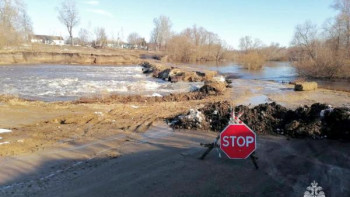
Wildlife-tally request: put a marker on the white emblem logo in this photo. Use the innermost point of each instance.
(314, 191)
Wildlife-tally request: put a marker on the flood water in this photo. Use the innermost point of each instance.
(271, 71)
(70, 82)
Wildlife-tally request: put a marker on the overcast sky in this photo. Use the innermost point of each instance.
(268, 20)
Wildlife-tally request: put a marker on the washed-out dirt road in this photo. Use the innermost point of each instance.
(163, 162)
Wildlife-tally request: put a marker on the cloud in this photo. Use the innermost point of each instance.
(92, 2)
(101, 12)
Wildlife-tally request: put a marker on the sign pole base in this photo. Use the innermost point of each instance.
(213, 145)
(254, 159)
(210, 147)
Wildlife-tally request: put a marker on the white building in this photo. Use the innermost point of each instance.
(45, 39)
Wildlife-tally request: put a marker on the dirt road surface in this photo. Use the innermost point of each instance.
(163, 162)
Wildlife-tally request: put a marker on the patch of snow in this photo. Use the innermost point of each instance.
(156, 95)
(5, 131)
(323, 112)
(195, 116)
(219, 78)
(20, 141)
(134, 106)
(98, 113)
(1, 143)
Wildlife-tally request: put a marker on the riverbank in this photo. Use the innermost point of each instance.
(47, 54)
(67, 58)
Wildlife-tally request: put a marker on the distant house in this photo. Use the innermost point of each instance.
(45, 39)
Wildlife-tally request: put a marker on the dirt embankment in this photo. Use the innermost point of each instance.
(317, 120)
(27, 57)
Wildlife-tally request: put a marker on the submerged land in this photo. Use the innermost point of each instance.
(98, 145)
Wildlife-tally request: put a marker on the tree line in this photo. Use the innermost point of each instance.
(15, 24)
(190, 45)
(324, 52)
(316, 51)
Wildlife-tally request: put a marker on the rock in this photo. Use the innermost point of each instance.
(305, 86)
(175, 79)
(338, 123)
(192, 77)
(147, 68)
(209, 75)
(176, 72)
(292, 126)
(164, 74)
(213, 87)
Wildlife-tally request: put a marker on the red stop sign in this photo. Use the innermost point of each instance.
(237, 141)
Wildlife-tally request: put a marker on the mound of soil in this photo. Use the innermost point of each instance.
(196, 95)
(317, 120)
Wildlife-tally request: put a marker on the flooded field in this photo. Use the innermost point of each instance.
(70, 82)
(282, 72)
(272, 71)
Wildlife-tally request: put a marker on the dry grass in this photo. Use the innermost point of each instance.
(326, 64)
(252, 60)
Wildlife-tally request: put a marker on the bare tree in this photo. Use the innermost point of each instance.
(317, 56)
(84, 36)
(68, 15)
(343, 22)
(27, 27)
(134, 38)
(196, 44)
(247, 43)
(305, 37)
(15, 24)
(101, 37)
(252, 55)
(161, 32)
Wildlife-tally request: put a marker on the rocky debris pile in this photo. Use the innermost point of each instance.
(174, 74)
(213, 84)
(317, 120)
(193, 119)
(216, 117)
(305, 86)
